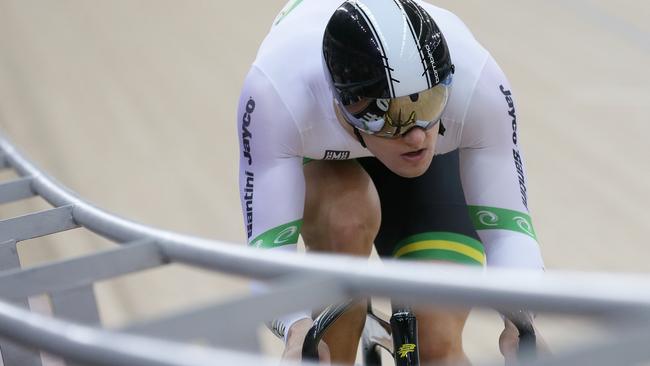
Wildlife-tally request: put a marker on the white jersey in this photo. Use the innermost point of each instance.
(286, 114)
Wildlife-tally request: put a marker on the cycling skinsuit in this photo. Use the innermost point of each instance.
(470, 206)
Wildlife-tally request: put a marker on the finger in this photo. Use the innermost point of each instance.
(509, 344)
(324, 353)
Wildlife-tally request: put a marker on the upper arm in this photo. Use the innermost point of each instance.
(271, 180)
(493, 173)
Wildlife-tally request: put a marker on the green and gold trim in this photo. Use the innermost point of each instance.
(282, 235)
(493, 218)
(443, 246)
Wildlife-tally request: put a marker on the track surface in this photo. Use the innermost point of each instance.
(132, 105)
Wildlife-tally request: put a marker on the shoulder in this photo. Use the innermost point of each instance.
(264, 121)
(491, 116)
(291, 51)
(290, 56)
(289, 66)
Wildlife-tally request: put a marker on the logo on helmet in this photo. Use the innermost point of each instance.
(437, 38)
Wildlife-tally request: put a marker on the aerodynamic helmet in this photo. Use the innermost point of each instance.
(388, 65)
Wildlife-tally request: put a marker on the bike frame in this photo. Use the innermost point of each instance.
(399, 336)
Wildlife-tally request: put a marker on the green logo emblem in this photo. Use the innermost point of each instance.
(488, 218)
(278, 236)
(524, 225)
(286, 235)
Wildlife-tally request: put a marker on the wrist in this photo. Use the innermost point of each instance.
(297, 331)
(281, 326)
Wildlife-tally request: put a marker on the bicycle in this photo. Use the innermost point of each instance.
(398, 336)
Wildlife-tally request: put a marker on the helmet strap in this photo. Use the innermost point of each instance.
(441, 129)
(359, 137)
(340, 117)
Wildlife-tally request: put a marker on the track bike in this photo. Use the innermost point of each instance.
(398, 335)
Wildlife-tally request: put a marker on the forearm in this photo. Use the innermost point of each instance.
(281, 326)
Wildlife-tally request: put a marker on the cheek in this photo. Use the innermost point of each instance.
(382, 148)
(432, 138)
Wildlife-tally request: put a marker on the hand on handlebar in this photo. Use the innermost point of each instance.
(509, 344)
(296, 337)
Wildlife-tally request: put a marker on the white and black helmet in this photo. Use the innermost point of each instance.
(381, 51)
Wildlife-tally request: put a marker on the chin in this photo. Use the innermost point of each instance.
(411, 172)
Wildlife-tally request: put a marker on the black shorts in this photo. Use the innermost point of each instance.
(425, 217)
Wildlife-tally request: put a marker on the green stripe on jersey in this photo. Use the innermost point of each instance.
(444, 246)
(286, 10)
(282, 235)
(494, 218)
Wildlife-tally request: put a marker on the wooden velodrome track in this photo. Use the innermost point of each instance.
(132, 105)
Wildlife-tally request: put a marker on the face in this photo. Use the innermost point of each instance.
(408, 156)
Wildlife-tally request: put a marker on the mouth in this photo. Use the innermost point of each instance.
(414, 156)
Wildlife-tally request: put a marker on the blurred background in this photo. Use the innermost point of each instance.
(132, 105)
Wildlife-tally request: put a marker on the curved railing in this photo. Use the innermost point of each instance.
(233, 325)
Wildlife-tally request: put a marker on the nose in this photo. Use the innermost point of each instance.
(415, 137)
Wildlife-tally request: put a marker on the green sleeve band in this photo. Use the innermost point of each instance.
(306, 160)
(282, 235)
(493, 218)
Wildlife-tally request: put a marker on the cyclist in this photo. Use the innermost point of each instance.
(369, 122)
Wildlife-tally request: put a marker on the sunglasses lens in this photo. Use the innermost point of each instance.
(394, 117)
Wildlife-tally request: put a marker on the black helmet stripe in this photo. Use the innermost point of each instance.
(382, 49)
(436, 60)
(417, 38)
